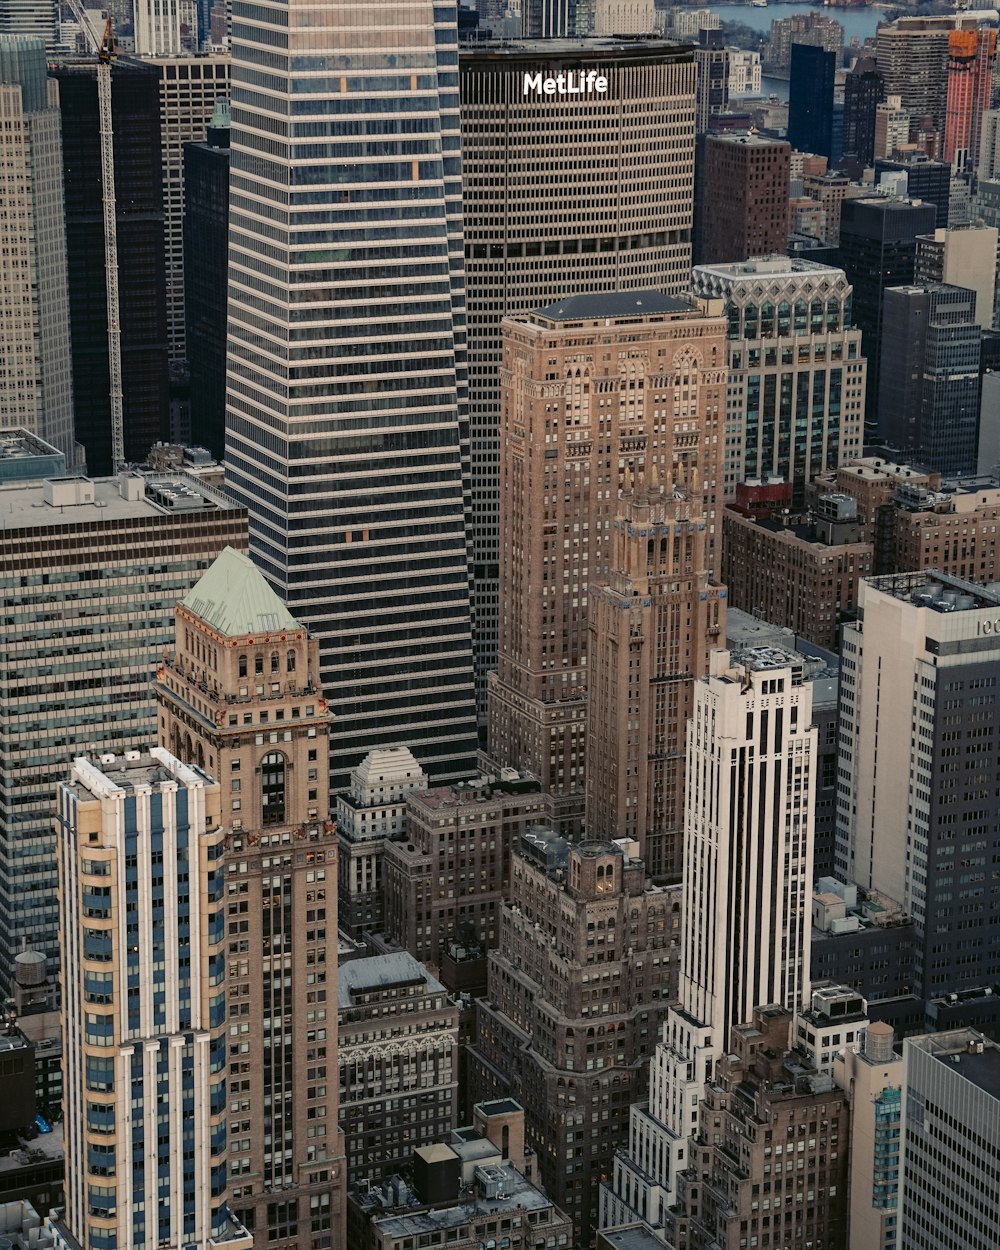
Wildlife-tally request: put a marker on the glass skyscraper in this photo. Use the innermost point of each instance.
(346, 401)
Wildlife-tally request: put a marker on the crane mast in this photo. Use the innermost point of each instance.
(105, 55)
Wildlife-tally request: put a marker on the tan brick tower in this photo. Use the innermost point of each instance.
(239, 698)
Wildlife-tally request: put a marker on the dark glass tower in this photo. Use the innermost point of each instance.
(346, 421)
(141, 264)
(863, 93)
(810, 99)
(206, 230)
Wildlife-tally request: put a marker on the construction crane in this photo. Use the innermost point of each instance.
(106, 53)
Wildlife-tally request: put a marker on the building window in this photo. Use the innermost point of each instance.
(290, 662)
(273, 787)
(243, 666)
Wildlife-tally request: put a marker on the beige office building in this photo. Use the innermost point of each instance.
(652, 625)
(551, 209)
(596, 390)
(238, 697)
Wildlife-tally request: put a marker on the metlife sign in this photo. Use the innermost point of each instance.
(572, 82)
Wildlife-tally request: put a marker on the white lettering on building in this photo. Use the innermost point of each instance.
(573, 82)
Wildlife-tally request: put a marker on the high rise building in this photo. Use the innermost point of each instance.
(554, 19)
(141, 840)
(963, 257)
(36, 377)
(711, 59)
(206, 262)
(924, 653)
(372, 811)
(972, 53)
(744, 72)
(871, 1074)
(892, 127)
(158, 27)
(622, 17)
(92, 571)
(877, 250)
(814, 29)
(746, 908)
(912, 57)
(623, 226)
(577, 991)
(864, 91)
(452, 872)
(31, 19)
(988, 156)
(795, 400)
(141, 274)
(346, 433)
(637, 380)
(238, 693)
(810, 99)
(742, 198)
(398, 1063)
(925, 179)
(951, 1113)
(928, 403)
(189, 88)
(652, 622)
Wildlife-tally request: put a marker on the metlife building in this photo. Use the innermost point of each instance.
(578, 168)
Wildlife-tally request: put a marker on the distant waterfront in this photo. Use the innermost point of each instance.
(856, 22)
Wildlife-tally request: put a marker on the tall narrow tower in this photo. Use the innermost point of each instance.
(346, 401)
(748, 858)
(651, 626)
(36, 390)
(144, 1013)
(239, 696)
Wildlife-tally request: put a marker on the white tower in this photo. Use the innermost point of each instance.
(748, 857)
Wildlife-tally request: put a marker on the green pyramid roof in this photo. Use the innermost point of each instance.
(234, 597)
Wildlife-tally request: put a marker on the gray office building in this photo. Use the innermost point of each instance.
(90, 571)
(346, 421)
(928, 404)
(949, 1196)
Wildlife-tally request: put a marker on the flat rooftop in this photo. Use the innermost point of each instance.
(382, 972)
(25, 506)
(982, 1069)
(519, 1195)
(632, 1237)
(767, 267)
(112, 775)
(572, 51)
(623, 305)
(939, 591)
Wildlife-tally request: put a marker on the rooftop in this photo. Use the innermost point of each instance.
(631, 1237)
(518, 1195)
(750, 139)
(768, 267)
(382, 972)
(234, 597)
(572, 51)
(969, 1054)
(939, 591)
(111, 776)
(625, 305)
(34, 504)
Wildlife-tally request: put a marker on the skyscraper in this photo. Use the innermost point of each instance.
(810, 99)
(540, 231)
(711, 59)
(795, 400)
(924, 653)
(928, 403)
(141, 273)
(742, 197)
(746, 923)
(238, 694)
(594, 388)
(971, 57)
(864, 91)
(157, 27)
(36, 377)
(31, 19)
(189, 88)
(206, 248)
(878, 248)
(912, 57)
(103, 562)
(652, 621)
(142, 885)
(346, 421)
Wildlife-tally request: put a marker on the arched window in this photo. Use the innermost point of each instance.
(272, 788)
(274, 661)
(243, 666)
(290, 662)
